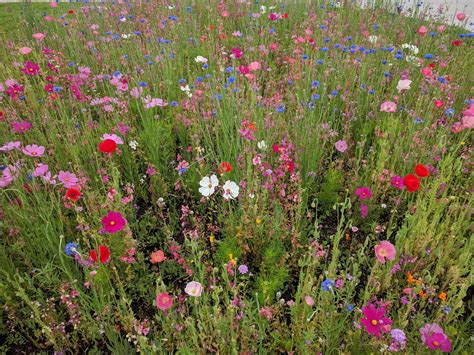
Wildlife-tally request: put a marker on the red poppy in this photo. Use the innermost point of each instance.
(456, 43)
(284, 15)
(70, 12)
(73, 194)
(411, 182)
(104, 254)
(432, 65)
(107, 146)
(2, 116)
(290, 166)
(422, 171)
(439, 103)
(224, 167)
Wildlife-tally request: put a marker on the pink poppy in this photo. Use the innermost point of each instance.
(460, 16)
(423, 30)
(113, 222)
(254, 66)
(113, 137)
(385, 250)
(33, 150)
(193, 288)
(388, 106)
(164, 301)
(467, 121)
(426, 72)
(341, 146)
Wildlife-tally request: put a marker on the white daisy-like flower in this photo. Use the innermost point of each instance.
(373, 39)
(208, 185)
(262, 145)
(231, 190)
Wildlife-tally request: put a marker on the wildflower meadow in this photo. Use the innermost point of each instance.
(235, 177)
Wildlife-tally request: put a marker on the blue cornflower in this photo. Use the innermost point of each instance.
(327, 285)
(280, 108)
(70, 248)
(349, 308)
(231, 80)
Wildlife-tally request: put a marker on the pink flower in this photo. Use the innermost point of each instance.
(363, 193)
(193, 288)
(68, 179)
(467, 121)
(426, 71)
(10, 146)
(385, 249)
(375, 321)
(25, 50)
(38, 36)
(21, 127)
(388, 106)
(157, 257)
(341, 146)
(40, 170)
(364, 210)
(113, 222)
(113, 137)
(403, 84)
(460, 16)
(423, 30)
(254, 66)
(164, 301)
(434, 338)
(397, 181)
(309, 300)
(33, 150)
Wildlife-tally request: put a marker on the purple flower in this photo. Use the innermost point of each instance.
(364, 210)
(243, 269)
(68, 179)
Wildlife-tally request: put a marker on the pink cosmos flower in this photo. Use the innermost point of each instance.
(397, 181)
(385, 249)
(113, 222)
(10, 146)
(375, 321)
(33, 150)
(25, 50)
(68, 179)
(40, 170)
(426, 71)
(363, 193)
(388, 106)
(113, 137)
(434, 338)
(193, 288)
(467, 122)
(164, 301)
(30, 68)
(341, 146)
(21, 127)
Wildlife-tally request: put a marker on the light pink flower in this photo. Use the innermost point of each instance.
(255, 66)
(309, 300)
(403, 84)
(38, 36)
(193, 288)
(33, 150)
(423, 30)
(25, 50)
(40, 170)
(113, 137)
(388, 106)
(384, 250)
(467, 121)
(341, 146)
(460, 16)
(68, 179)
(10, 146)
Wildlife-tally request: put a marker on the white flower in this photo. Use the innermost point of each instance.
(263, 9)
(208, 185)
(262, 145)
(231, 190)
(133, 145)
(373, 39)
(200, 59)
(338, 4)
(403, 84)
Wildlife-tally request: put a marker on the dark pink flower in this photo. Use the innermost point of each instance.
(363, 193)
(30, 68)
(397, 181)
(375, 321)
(113, 222)
(438, 341)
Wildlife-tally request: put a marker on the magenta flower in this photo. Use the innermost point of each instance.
(434, 338)
(113, 222)
(40, 170)
(397, 181)
(375, 321)
(30, 68)
(14, 90)
(364, 210)
(385, 249)
(164, 301)
(33, 150)
(67, 179)
(21, 127)
(363, 193)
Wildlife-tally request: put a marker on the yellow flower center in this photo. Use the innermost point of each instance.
(33, 153)
(435, 343)
(112, 223)
(374, 322)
